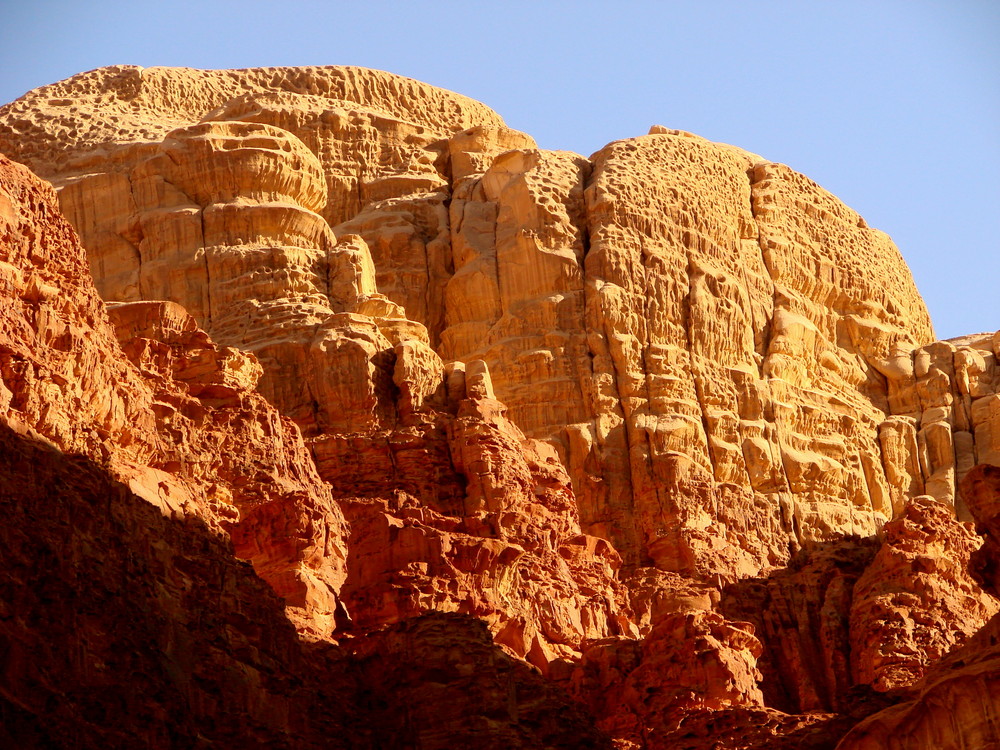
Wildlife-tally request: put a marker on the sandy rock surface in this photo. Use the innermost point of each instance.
(650, 449)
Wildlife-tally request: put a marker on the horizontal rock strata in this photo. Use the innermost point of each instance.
(649, 449)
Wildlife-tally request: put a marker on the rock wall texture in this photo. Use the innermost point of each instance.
(165, 533)
(171, 414)
(649, 449)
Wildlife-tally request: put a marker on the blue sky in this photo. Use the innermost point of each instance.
(893, 105)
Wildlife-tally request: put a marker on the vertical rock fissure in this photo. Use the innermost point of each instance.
(437, 330)
(696, 381)
(358, 193)
(208, 279)
(599, 333)
(136, 247)
(432, 330)
(646, 343)
(585, 233)
(766, 328)
(766, 337)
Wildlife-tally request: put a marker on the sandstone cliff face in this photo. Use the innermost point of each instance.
(165, 531)
(669, 421)
(123, 627)
(668, 303)
(172, 415)
(956, 705)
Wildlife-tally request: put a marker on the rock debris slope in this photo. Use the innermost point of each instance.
(670, 421)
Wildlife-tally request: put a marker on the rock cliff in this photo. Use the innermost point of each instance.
(669, 422)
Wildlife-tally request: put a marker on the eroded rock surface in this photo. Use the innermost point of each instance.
(667, 302)
(956, 705)
(166, 532)
(171, 415)
(918, 599)
(667, 424)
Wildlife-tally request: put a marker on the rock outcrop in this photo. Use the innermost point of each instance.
(956, 704)
(649, 449)
(918, 599)
(171, 415)
(166, 531)
(670, 302)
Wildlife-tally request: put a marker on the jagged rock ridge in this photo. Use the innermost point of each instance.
(618, 408)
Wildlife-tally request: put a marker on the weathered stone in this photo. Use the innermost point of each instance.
(917, 600)
(173, 416)
(612, 408)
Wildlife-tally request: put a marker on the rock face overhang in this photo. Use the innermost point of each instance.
(579, 398)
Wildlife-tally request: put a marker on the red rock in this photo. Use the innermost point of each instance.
(956, 704)
(701, 509)
(171, 415)
(802, 616)
(508, 548)
(955, 708)
(916, 601)
(445, 685)
(122, 627)
(690, 660)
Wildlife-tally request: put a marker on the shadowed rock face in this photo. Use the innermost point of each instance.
(642, 414)
(165, 532)
(170, 414)
(126, 628)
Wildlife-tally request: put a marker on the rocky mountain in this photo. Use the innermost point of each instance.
(338, 414)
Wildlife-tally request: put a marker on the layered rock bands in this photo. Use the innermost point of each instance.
(653, 449)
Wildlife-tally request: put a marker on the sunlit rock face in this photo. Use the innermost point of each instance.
(138, 388)
(667, 302)
(670, 420)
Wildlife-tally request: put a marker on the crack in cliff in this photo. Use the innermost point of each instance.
(645, 344)
(698, 389)
(582, 225)
(597, 333)
(766, 333)
(590, 397)
(447, 257)
(585, 244)
(359, 196)
(208, 277)
(586, 373)
(455, 225)
(136, 247)
(766, 327)
(496, 263)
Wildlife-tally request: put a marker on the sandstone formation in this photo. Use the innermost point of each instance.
(163, 526)
(171, 415)
(956, 706)
(919, 596)
(125, 627)
(651, 449)
(668, 302)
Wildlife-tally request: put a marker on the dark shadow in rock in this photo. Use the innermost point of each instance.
(123, 628)
(801, 614)
(437, 682)
(120, 627)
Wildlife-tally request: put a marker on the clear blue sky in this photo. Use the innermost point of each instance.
(893, 105)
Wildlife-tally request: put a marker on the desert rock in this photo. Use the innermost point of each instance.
(667, 302)
(653, 448)
(173, 416)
